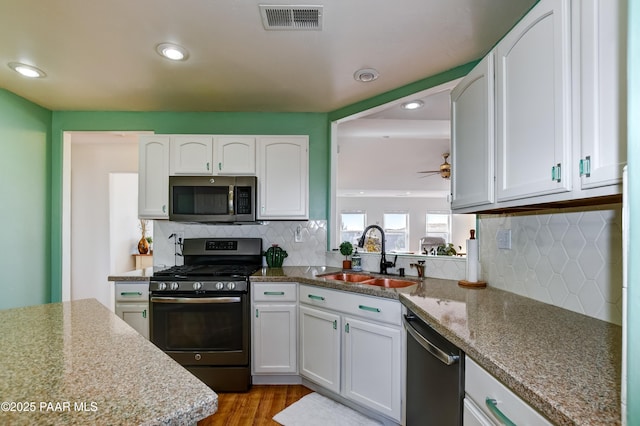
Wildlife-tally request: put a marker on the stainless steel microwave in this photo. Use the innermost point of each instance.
(212, 198)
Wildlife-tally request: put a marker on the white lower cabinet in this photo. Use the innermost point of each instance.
(372, 361)
(275, 331)
(320, 347)
(473, 416)
(352, 345)
(488, 402)
(132, 305)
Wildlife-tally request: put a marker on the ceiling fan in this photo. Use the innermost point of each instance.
(444, 171)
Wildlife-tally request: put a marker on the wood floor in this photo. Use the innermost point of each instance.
(255, 407)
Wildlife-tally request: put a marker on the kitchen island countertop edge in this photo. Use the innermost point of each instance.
(78, 363)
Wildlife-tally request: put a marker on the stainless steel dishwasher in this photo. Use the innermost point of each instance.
(435, 376)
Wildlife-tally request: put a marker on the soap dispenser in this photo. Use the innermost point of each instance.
(356, 261)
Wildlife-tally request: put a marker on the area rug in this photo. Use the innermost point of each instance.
(317, 410)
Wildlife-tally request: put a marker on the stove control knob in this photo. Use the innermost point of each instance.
(162, 286)
(231, 285)
(174, 286)
(219, 286)
(197, 286)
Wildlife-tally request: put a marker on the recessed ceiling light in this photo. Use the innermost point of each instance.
(413, 105)
(366, 75)
(172, 51)
(27, 70)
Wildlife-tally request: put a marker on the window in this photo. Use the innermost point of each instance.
(439, 225)
(352, 226)
(396, 229)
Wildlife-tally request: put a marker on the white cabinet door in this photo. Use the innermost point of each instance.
(320, 347)
(153, 177)
(283, 177)
(136, 315)
(495, 400)
(235, 155)
(603, 111)
(473, 137)
(372, 366)
(473, 416)
(191, 155)
(533, 87)
(275, 338)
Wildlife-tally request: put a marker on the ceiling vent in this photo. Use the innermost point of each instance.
(281, 17)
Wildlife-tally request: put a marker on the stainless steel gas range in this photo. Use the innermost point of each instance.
(199, 312)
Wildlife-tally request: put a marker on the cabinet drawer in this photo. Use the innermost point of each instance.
(479, 385)
(274, 292)
(132, 292)
(375, 308)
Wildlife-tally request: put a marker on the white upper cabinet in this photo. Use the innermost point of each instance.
(191, 155)
(533, 99)
(472, 133)
(153, 177)
(235, 155)
(283, 177)
(603, 89)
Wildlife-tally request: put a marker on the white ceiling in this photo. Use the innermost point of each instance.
(100, 55)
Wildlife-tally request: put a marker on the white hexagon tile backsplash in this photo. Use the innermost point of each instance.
(310, 251)
(571, 259)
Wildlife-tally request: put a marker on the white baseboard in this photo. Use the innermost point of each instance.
(283, 379)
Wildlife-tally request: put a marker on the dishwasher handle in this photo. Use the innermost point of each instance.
(426, 344)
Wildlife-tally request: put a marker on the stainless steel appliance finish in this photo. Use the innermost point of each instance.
(435, 376)
(199, 311)
(212, 198)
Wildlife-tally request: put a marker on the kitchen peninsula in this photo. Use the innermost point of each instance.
(77, 363)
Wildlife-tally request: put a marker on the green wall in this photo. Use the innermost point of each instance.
(25, 206)
(312, 124)
(633, 161)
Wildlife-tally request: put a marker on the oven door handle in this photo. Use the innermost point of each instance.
(195, 299)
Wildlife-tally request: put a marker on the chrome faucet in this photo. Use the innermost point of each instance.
(383, 259)
(419, 266)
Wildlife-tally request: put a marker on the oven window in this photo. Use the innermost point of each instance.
(201, 327)
(201, 200)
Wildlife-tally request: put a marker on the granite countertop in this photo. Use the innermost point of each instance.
(78, 363)
(142, 275)
(313, 275)
(564, 364)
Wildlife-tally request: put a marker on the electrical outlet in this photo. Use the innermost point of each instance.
(297, 237)
(503, 238)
